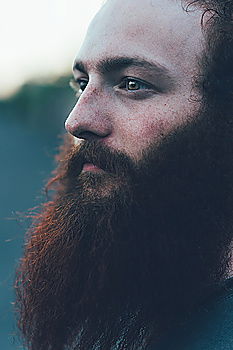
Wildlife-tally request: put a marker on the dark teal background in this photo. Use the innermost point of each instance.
(30, 124)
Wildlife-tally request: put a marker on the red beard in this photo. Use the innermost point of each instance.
(104, 267)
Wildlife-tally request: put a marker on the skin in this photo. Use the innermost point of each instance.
(124, 251)
(130, 121)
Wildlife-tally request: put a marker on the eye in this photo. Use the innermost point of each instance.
(78, 85)
(132, 84)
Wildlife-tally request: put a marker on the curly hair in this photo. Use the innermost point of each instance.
(216, 83)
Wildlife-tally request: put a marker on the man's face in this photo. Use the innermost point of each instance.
(100, 265)
(136, 70)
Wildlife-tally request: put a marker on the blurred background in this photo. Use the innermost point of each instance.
(38, 42)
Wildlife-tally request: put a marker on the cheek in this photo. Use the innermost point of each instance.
(149, 125)
(138, 133)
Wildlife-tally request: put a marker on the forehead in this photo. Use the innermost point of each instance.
(157, 30)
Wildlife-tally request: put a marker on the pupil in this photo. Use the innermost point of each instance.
(82, 85)
(133, 85)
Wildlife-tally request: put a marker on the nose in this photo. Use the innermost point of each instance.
(89, 119)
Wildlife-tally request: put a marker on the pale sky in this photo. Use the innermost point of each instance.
(40, 38)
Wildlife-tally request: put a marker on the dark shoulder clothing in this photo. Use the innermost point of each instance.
(210, 328)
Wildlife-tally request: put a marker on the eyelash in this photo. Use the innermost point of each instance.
(76, 85)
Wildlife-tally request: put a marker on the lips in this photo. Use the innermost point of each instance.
(91, 167)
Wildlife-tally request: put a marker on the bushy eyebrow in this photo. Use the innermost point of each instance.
(113, 64)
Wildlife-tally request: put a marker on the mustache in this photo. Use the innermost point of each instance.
(94, 152)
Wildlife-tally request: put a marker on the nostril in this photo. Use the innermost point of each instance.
(87, 135)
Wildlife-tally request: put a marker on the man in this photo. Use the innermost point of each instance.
(134, 249)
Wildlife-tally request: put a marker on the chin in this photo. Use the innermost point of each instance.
(97, 185)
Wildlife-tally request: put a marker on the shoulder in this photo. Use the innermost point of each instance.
(211, 328)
